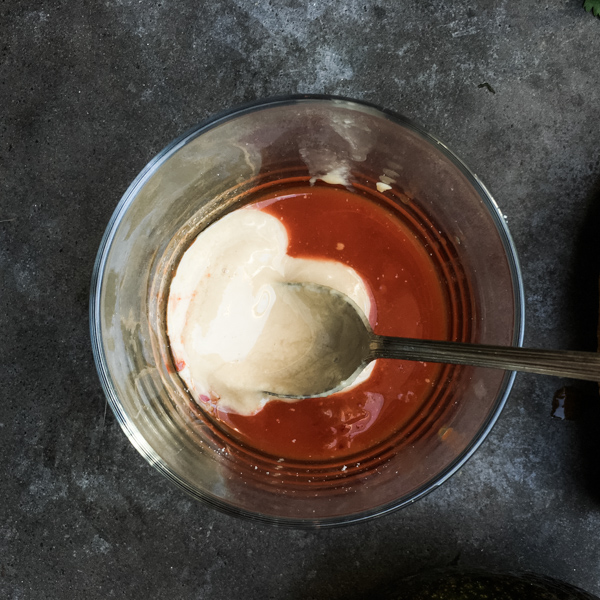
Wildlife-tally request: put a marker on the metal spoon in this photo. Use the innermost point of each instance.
(332, 362)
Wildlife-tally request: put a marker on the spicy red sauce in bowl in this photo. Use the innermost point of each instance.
(333, 224)
(352, 184)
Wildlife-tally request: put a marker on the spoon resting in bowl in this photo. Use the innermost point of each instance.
(341, 344)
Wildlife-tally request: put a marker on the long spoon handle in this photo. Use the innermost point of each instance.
(562, 363)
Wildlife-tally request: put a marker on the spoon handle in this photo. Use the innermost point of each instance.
(562, 363)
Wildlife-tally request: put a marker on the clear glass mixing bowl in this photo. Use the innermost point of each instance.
(210, 171)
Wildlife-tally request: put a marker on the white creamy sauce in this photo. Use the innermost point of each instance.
(336, 176)
(224, 332)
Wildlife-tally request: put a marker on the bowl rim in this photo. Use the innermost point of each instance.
(127, 199)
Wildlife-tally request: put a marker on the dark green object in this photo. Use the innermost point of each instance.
(593, 6)
(454, 584)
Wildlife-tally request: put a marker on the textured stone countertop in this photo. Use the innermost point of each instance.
(91, 91)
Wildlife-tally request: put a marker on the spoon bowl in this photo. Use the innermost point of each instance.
(328, 337)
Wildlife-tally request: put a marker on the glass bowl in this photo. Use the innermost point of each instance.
(216, 168)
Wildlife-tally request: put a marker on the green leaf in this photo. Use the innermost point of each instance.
(593, 6)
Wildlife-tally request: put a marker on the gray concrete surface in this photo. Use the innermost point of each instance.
(90, 91)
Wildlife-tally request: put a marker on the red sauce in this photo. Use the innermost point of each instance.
(408, 300)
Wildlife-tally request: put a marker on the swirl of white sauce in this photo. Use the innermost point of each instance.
(220, 300)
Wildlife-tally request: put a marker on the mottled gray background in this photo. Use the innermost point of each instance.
(90, 91)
